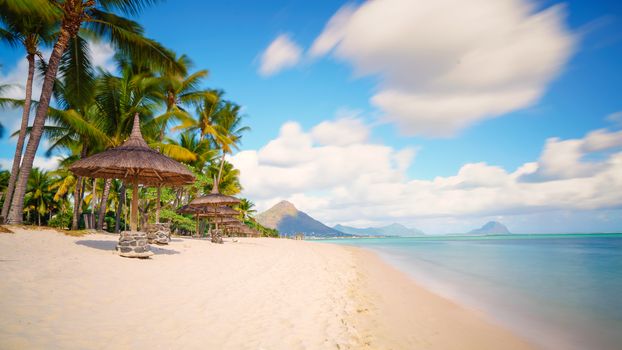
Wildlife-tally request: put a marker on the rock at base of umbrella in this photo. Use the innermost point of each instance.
(133, 244)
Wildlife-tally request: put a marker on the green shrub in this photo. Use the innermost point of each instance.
(61, 220)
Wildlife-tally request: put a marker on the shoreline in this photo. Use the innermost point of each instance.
(408, 315)
(75, 292)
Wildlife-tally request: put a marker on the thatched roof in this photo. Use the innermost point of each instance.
(214, 199)
(226, 221)
(134, 160)
(208, 211)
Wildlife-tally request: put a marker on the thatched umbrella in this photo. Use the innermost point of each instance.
(214, 200)
(134, 161)
(209, 212)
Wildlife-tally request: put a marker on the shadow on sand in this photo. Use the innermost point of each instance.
(111, 246)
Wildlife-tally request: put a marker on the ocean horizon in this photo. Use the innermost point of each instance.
(559, 291)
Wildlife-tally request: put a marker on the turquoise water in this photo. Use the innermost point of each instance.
(559, 291)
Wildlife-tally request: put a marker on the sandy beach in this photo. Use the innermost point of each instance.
(68, 292)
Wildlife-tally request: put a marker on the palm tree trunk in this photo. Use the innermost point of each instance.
(104, 203)
(78, 195)
(222, 165)
(117, 221)
(157, 213)
(77, 203)
(94, 203)
(68, 29)
(20, 140)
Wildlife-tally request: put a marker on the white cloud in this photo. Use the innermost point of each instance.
(615, 117)
(363, 182)
(102, 55)
(43, 163)
(447, 64)
(282, 53)
(341, 132)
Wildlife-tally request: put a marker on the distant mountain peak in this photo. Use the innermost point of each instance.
(284, 217)
(492, 228)
(393, 229)
(285, 206)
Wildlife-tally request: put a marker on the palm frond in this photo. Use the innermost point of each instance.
(127, 36)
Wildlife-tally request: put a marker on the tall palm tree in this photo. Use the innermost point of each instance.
(229, 183)
(117, 99)
(189, 149)
(229, 129)
(28, 32)
(206, 113)
(180, 91)
(91, 17)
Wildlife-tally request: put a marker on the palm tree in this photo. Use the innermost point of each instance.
(92, 18)
(117, 100)
(39, 196)
(206, 113)
(28, 32)
(180, 91)
(189, 149)
(245, 207)
(229, 183)
(229, 130)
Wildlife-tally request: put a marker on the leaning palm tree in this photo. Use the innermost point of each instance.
(91, 17)
(28, 32)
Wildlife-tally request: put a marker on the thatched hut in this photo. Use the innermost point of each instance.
(134, 162)
(212, 201)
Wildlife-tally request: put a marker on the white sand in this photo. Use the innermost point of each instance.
(76, 293)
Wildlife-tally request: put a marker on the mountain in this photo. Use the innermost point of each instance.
(492, 228)
(288, 220)
(389, 230)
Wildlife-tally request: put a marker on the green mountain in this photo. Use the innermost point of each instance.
(288, 220)
(389, 230)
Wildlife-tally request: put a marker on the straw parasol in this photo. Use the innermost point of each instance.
(135, 162)
(212, 201)
(208, 211)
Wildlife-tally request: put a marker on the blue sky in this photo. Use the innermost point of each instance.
(229, 39)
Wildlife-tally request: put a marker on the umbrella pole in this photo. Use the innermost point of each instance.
(197, 226)
(134, 244)
(157, 213)
(134, 213)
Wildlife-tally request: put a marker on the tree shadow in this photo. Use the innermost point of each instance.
(112, 245)
(97, 244)
(157, 250)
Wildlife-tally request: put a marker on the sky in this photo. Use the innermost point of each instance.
(437, 115)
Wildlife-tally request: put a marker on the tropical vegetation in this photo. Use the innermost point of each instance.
(83, 110)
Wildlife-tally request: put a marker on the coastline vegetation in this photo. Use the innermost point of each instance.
(84, 109)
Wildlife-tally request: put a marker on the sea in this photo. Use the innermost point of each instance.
(557, 291)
